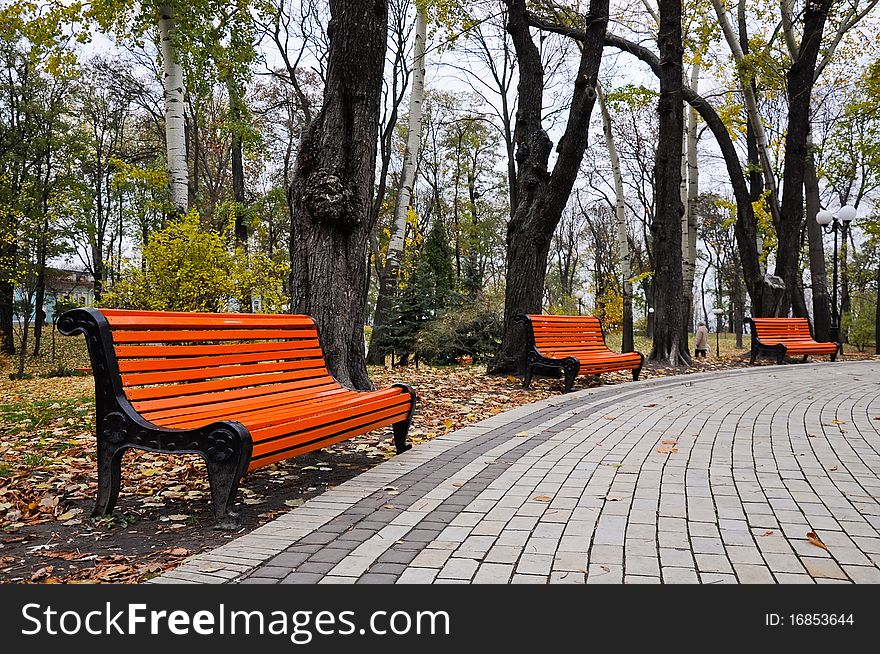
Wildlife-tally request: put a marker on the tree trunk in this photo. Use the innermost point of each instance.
(818, 273)
(799, 79)
(689, 234)
(620, 215)
(388, 276)
(542, 195)
(333, 185)
(40, 295)
(751, 102)
(175, 125)
(736, 292)
(669, 346)
(237, 159)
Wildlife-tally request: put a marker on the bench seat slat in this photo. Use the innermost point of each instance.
(183, 363)
(229, 383)
(216, 410)
(210, 322)
(172, 351)
(317, 382)
(195, 335)
(320, 440)
(255, 415)
(271, 439)
(255, 418)
(200, 374)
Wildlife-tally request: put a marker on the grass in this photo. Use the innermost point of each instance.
(31, 415)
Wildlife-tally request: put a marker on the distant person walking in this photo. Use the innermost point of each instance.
(701, 340)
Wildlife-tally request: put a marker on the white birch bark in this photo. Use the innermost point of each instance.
(175, 134)
(414, 136)
(689, 237)
(619, 197)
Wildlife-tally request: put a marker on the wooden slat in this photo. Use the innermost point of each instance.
(146, 365)
(319, 380)
(193, 335)
(230, 383)
(294, 413)
(200, 374)
(321, 441)
(349, 405)
(219, 410)
(358, 412)
(273, 439)
(201, 321)
(173, 350)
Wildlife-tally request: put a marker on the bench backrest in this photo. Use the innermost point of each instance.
(555, 332)
(169, 360)
(782, 329)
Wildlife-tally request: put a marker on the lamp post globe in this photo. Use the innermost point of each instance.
(580, 298)
(847, 213)
(824, 217)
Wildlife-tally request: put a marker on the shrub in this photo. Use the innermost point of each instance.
(468, 330)
(185, 267)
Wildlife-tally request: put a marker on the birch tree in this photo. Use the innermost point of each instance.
(620, 217)
(388, 275)
(175, 124)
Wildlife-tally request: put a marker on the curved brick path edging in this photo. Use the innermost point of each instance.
(708, 477)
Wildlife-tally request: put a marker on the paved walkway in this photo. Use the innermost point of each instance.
(712, 478)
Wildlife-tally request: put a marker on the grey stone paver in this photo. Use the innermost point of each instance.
(581, 488)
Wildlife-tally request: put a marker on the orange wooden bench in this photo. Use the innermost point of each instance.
(575, 345)
(241, 390)
(782, 336)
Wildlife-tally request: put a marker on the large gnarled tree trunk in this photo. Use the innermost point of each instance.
(542, 195)
(331, 193)
(669, 344)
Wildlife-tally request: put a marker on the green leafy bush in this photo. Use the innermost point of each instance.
(186, 267)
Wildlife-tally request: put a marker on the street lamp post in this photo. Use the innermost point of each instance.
(832, 224)
(580, 298)
(718, 313)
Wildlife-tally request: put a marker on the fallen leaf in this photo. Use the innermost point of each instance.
(294, 502)
(815, 540)
(542, 498)
(838, 422)
(769, 532)
(667, 450)
(60, 554)
(178, 551)
(649, 406)
(178, 517)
